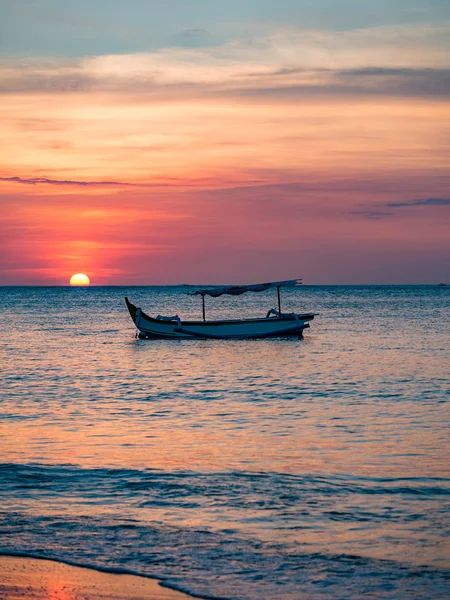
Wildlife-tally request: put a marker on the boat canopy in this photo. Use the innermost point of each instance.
(237, 290)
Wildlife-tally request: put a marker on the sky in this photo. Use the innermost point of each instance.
(155, 143)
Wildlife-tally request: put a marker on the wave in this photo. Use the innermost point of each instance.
(233, 535)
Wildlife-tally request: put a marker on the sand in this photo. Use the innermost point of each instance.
(25, 578)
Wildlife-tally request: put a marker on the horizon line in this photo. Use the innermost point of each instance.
(134, 285)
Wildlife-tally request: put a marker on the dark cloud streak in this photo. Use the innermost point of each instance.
(284, 83)
(169, 182)
(374, 214)
(421, 202)
(40, 180)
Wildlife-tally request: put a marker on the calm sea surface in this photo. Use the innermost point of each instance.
(253, 469)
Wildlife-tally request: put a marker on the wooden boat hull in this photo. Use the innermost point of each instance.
(151, 328)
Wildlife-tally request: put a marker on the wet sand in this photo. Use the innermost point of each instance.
(25, 578)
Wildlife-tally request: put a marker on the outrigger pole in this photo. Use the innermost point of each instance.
(279, 300)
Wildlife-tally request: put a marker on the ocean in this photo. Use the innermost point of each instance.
(246, 470)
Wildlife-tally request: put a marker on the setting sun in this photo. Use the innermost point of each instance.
(80, 279)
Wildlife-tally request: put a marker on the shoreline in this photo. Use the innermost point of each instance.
(24, 578)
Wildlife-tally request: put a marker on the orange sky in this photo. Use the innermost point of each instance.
(321, 155)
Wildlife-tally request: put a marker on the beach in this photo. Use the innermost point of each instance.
(29, 578)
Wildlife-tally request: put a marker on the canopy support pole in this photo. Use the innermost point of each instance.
(203, 307)
(279, 300)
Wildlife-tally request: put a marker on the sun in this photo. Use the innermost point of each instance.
(79, 279)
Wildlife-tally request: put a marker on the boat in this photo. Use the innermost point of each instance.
(274, 324)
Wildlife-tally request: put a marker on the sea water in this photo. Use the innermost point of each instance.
(253, 469)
